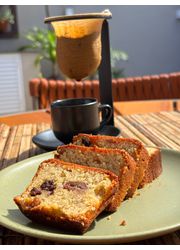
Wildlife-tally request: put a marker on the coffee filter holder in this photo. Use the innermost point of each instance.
(83, 47)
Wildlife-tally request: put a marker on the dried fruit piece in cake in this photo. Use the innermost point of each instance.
(80, 193)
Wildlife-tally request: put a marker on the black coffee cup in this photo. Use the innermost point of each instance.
(73, 116)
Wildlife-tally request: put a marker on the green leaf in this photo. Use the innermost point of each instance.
(25, 47)
(117, 56)
(38, 60)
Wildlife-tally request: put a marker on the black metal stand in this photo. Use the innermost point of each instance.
(105, 78)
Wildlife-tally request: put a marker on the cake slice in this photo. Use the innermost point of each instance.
(154, 168)
(115, 160)
(67, 195)
(134, 147)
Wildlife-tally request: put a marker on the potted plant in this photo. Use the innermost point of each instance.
(6, 18)
(43, 41)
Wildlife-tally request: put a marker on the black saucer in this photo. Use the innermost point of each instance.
(47, 140)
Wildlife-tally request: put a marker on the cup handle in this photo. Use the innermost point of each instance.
(108, 113)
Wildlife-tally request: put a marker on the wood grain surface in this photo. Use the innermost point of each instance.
(153, 129)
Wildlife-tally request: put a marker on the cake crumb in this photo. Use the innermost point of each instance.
(123, 223)
(109, 217)
(137, 194)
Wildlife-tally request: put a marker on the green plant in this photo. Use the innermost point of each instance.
(116, 57)
(44, 42)
(6, 15)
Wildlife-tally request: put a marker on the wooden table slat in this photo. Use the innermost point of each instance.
(6, 156)
(4, 132)
(33, 146)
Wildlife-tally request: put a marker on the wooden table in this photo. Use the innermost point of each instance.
(161, 129)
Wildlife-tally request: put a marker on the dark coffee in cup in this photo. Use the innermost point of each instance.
(73, 116)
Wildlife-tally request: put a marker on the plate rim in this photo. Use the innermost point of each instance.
(121, 238)
(131, 237)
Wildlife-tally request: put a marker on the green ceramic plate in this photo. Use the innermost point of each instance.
(156, 211)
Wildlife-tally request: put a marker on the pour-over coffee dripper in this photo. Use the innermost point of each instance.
(82, 47)
(78, 47)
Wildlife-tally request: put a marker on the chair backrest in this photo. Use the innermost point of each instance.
(154, 87)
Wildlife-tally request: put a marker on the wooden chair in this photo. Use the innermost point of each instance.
(154, 87)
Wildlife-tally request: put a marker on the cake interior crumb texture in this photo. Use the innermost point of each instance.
(73, 202)
(90, 157)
